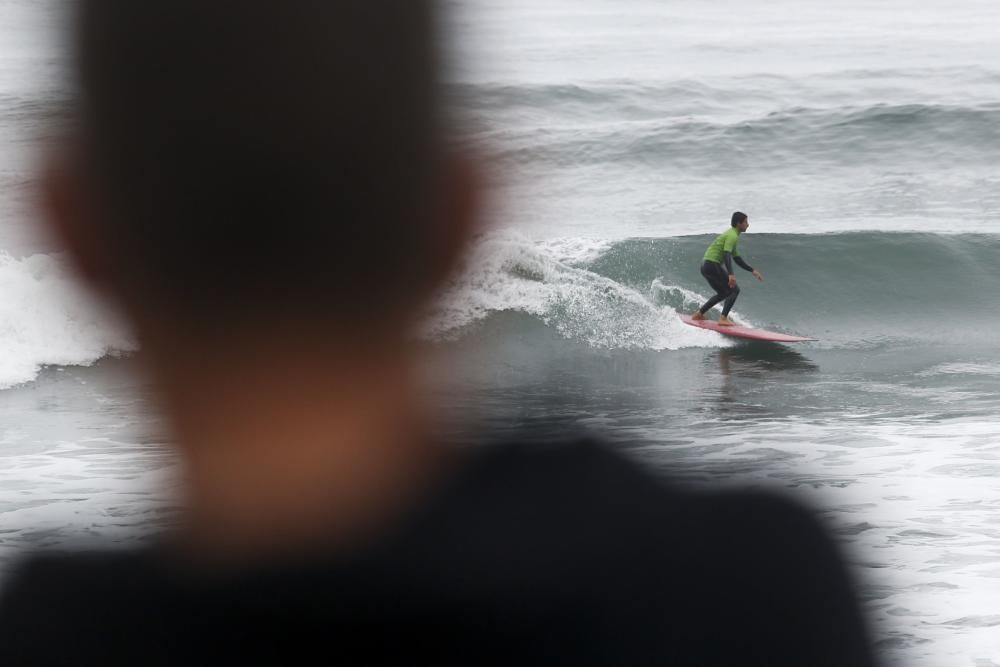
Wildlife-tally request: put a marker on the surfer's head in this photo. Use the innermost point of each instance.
(248, 160)
(740, 221)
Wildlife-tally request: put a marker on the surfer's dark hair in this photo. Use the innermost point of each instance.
(738, 218)
(247, 151)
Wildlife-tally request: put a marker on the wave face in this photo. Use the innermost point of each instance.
(852, 290)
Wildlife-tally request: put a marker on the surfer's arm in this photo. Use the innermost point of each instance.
(756, 273)
(739, 260)
(727, 261)
(728, 258)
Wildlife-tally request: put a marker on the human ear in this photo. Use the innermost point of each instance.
(69, 214)
(462, 193)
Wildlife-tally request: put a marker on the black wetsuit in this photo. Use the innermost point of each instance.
(717, 268)
(718, 278)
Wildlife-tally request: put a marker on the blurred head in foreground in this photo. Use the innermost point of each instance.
(268, 192)
(257, 165)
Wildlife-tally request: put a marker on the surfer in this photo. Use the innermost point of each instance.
(717, 268)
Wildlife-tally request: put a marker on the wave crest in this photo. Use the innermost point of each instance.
(46, 320)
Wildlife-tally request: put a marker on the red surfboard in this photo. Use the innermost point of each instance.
(743, 332)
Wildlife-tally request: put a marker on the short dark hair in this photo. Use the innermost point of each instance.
(738, 218)
(255, 154)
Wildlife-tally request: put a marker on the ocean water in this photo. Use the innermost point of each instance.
(861, 138)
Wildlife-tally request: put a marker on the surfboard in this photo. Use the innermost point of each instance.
(737, 331)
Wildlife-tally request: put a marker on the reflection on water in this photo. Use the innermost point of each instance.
(746, 369)
(764, 356)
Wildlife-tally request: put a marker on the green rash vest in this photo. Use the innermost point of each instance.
(727, 241)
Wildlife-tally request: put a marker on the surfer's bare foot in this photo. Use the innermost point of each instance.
(698, 315)
(725, 321)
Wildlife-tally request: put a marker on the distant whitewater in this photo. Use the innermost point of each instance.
(47, 320)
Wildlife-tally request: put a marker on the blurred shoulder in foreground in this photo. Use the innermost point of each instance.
(529, 553)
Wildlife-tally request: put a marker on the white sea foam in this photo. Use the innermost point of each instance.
(693, 300)
(574, 251)
(46, 319)
(508, 272)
